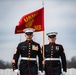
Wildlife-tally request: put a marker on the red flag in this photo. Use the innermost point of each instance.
(32, 20)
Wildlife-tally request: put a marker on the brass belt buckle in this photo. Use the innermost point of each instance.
(28, 58)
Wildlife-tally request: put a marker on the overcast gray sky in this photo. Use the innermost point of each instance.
(59, 15)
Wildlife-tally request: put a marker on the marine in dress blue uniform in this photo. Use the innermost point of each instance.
(28, 50)
(53, 53)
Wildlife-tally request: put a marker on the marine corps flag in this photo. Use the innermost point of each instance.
(32, 20)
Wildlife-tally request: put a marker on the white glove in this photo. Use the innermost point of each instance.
(43, 73)
(63, 73)
(39, 72)
(17, 71)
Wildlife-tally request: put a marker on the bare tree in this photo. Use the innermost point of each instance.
(4, 65)
(72, 63)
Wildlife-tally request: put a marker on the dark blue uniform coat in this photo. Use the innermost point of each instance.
(54, 66)
(29, 49)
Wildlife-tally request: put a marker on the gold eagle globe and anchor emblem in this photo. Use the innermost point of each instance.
(29, 23)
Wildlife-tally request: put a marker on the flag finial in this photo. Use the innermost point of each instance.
(42, 3)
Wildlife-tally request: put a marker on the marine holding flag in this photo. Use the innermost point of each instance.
(28, 50)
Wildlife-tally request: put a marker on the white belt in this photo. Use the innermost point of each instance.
(27, 58)
(52, 59)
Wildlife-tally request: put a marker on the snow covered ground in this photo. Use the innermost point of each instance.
(71, 71)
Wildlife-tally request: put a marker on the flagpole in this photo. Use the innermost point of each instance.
(43, 44)
(43, 36)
